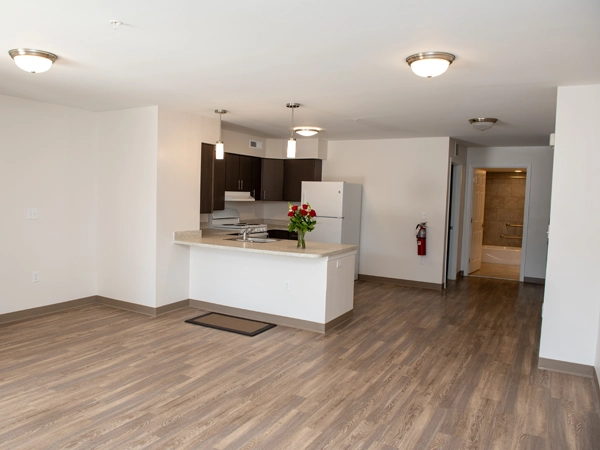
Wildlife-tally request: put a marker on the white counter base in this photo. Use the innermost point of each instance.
(321, 288)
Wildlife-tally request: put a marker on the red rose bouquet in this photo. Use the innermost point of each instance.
(302, 220)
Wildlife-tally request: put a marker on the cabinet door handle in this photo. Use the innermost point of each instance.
(264, 195)
(242, 184)
(239, 189)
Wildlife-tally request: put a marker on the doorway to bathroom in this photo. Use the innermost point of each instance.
(498, 202)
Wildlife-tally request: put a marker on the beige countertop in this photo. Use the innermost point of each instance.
(222, 240)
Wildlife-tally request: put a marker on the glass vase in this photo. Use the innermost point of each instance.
(301, 241)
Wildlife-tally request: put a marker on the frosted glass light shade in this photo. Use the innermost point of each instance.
(220, 153)
(483, 123)
(429, 68)
(306, 132)
(430, 64)
(291, 148)
(32, 61)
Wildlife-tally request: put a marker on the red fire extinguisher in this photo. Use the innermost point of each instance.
(421, 238)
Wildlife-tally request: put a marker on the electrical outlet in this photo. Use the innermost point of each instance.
(32, 214)
(422, 260)
(35, 277)
(338, 264)
(287, 286)
(423, 215)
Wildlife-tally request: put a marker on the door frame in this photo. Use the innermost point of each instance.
(453, 219)
(466, 243)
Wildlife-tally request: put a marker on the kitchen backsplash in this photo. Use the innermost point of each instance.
(271, 213)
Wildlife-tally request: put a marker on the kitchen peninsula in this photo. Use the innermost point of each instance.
(310, 288)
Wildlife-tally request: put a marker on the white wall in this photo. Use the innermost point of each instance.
(305, 148)
(401, 178)
(540, 180)
(47, 161)
(127, 211)
(571, 301)
(180, 137)
(239, 143)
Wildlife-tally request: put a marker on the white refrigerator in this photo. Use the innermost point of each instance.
(338, 206)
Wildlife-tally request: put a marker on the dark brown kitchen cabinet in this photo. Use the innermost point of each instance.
(271, 188)
(256, 191)
(219, 185)
(212, 180)
(295, 171)
(238, 172)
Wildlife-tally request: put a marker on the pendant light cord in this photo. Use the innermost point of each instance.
(220, 125)
(292, 135)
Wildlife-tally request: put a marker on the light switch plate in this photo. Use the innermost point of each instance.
(32, 214)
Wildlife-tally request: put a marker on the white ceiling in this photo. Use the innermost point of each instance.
(343, 61)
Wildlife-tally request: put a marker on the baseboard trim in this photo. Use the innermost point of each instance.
(172, 307)
(534, 280)
(43, 310)
(596, 390)
(570, 368)
(409, 283)
(272, 318)
(120, 304)
(339, 320)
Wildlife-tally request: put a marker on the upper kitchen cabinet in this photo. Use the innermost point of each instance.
(219, 185)
(295, 171)
(255, 190)
(238, 172)
(271, 188)
(212, 180)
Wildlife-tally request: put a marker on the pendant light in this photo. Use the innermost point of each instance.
(220, 153)
(430, 64)
(291, 146)
(32, 60)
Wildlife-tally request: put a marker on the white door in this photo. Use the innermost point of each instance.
(477, 220)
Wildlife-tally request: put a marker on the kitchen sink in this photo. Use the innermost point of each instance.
(257, 240)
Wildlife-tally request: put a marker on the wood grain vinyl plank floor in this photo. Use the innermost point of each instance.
(414, 369)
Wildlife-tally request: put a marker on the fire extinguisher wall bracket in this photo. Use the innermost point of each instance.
(422, 239)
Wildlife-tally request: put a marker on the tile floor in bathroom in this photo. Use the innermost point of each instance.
(501, 271)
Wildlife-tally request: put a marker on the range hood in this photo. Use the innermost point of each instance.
(235, 196)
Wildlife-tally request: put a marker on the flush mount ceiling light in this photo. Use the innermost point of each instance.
(483, 123)
(306, 131)
(31, 60)
(291, 145)
(220, 150)
(430, 64)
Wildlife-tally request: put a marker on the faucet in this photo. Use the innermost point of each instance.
(246, 231)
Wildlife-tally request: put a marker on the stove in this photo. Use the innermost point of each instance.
(229, 219)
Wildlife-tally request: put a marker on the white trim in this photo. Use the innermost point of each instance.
(466, 247)
(451, 259)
